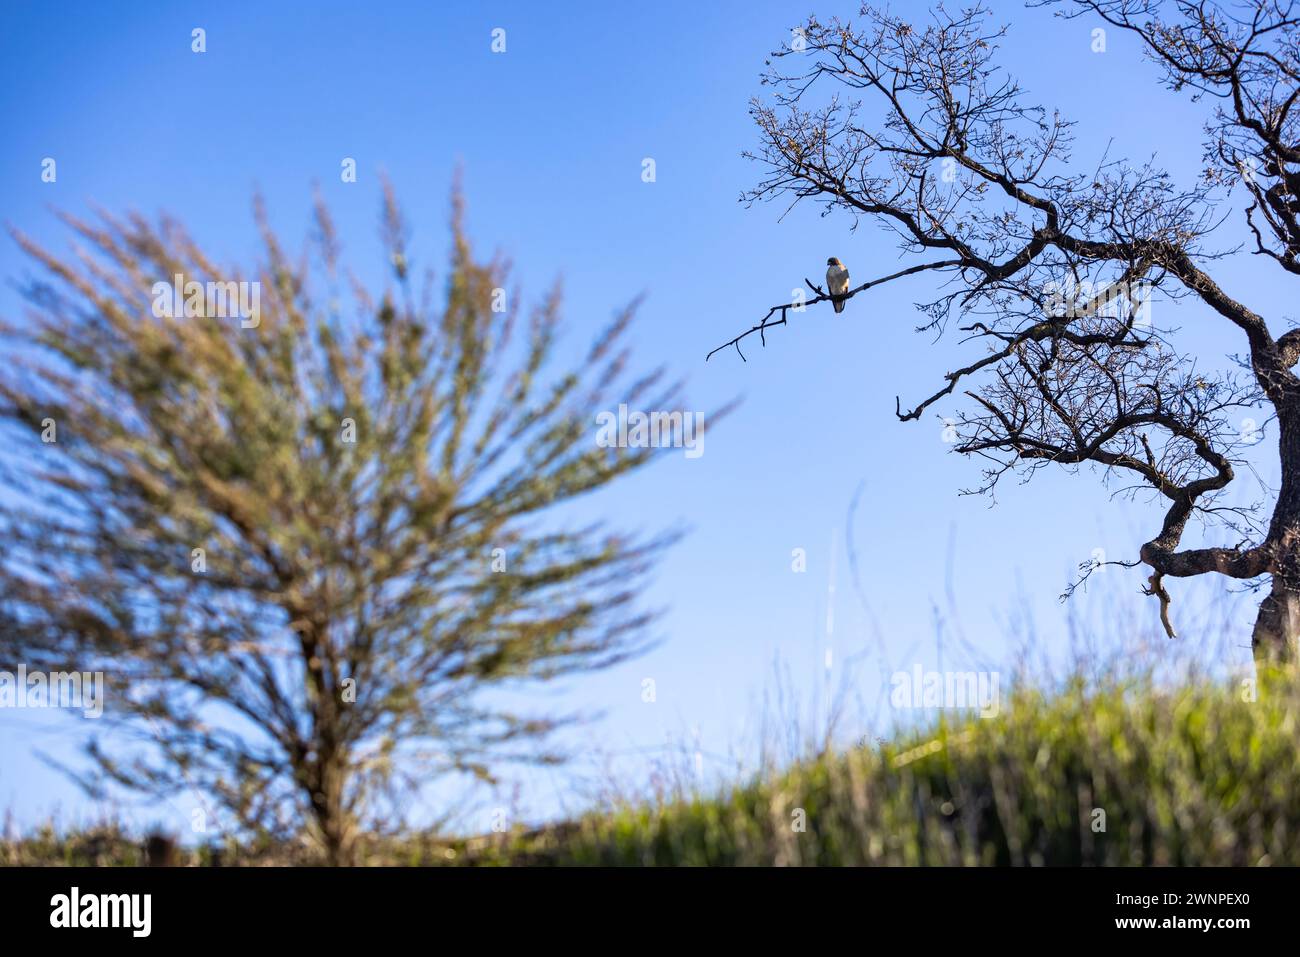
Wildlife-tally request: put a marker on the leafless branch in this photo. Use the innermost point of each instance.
(821, 296)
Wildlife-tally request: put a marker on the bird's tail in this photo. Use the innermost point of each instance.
(838, 305)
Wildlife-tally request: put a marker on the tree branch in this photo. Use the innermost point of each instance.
(821, 296)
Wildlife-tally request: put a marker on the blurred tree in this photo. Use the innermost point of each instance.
(307, 550)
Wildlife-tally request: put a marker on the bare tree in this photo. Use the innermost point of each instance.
(1050, 267)
(311, 551)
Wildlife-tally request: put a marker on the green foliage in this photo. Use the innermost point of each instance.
(1194, 777)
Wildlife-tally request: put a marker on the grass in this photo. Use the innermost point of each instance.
(1120, 773)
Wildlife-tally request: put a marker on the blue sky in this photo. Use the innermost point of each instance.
(551, 136)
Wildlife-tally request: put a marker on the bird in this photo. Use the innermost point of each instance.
(837, 281)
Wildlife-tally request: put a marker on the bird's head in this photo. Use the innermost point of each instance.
(833, 262)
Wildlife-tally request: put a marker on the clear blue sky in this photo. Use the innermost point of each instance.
(551, 137)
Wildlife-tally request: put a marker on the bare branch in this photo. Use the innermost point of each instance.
(821, 296)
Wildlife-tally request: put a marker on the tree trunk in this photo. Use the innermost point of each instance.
(331, 816)
(1277, 628)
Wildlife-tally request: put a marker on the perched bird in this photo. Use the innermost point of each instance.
(837, 281)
